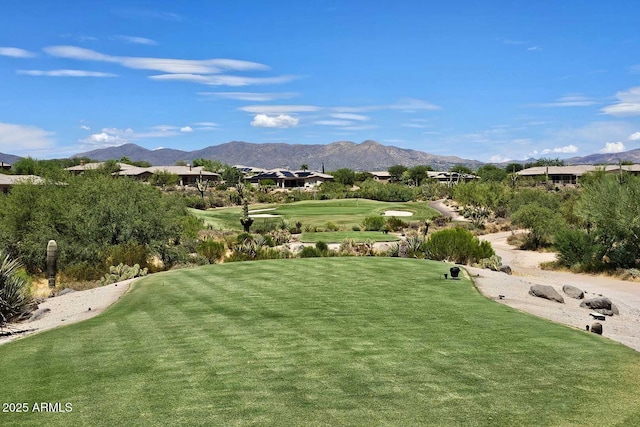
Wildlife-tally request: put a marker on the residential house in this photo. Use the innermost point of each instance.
(8, 181)
(570, 175)
(284, 178)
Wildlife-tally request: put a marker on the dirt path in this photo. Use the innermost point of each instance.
(69, 308)
(447, 211)
(624, 328)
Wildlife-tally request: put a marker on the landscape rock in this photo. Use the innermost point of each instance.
(546, 292)
(65, 291)
(601, 305)
(38, 314)
(596, 328)
(573, 292)
(506, 269)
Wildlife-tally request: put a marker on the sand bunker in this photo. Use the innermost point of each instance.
(398, 213)
(262, 210)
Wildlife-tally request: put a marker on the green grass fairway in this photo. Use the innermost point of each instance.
(316, 213)
(339, 236)
(310, 342)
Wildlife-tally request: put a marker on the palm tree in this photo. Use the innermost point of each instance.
(304, 167)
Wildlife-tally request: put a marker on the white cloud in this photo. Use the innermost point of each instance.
(65, 73)
(224, 80)
(534, 48)
(333, 122)
(137, 40)
(85, 127)
(103, 138)
(251, 96)
(351, 116)
(166, 65)
(15, 52)
(567, 149)
(635, 137)
(279, 121)
(186, 129)
(499, 159)
(206, 124)
(628, 105)
(23, 138)
(278, 109)
(613, 147)
(411, 104)
(576, 100)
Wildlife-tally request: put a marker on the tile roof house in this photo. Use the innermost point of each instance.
(188, 174)
(291, 179)
(8, 181)
(570, 175)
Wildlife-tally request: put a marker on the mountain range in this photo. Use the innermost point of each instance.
(366, 156)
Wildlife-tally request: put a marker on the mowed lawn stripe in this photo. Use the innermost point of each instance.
(351, 341)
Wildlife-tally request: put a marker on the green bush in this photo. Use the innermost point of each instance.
(374, 223)
(330, 226)
(310, 252)
(129, 253)
(576, 249)
(14, 292)
(84, 271)
(355, 228)
(457, 245)
(212, 250)
(322, 246)
(396, 224)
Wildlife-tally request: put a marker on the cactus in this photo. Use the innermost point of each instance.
(52, 260)
(120, 272)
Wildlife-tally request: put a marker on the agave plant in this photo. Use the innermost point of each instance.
(13, 289)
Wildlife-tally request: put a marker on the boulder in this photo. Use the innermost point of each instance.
(38, 314)
(596, 328)
(601, 305)
(546, 292)
(573, 292)
(506, 269)
(65, 291)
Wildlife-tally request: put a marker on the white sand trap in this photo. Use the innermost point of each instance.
(264, 216)
(398, 213)
(262, 210)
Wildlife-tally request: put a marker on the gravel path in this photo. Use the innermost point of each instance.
(624, 328)
(446, 211)
(69, 308)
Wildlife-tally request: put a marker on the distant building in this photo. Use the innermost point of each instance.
(187, 174)
(284, 178)
(381, 176)
(8, 181)
(570, 175)
(5, 166)
(451, 178)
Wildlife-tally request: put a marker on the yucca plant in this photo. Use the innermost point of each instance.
(13, 289)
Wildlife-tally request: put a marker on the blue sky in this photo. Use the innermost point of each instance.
(487, 80)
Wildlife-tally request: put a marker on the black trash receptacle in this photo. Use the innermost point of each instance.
(455, 271)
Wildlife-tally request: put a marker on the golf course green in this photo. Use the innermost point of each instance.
(323, 341)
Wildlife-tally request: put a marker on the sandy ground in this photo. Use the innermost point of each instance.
(70, 308)
(398, 213)
(624, 328)
(264, 216)
(447, 211)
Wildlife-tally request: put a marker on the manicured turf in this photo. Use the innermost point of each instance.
(316, 213)
(339, 236)
(331, 341)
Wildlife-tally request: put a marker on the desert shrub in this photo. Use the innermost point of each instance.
(212, 250)
(84, 271)
(322, 246)
(280, 237)
(576, 249)
(129, 253)
(120, 272)
(172, 256)
(240, 238)
(396, 224)
(14, 291)
(441, 221)
(348, 247)
(374, 223)
(415, 244)
(355, 228)
(457, 245)
(310, 252)
(330, 226)
(272, 253)
(196, 202)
